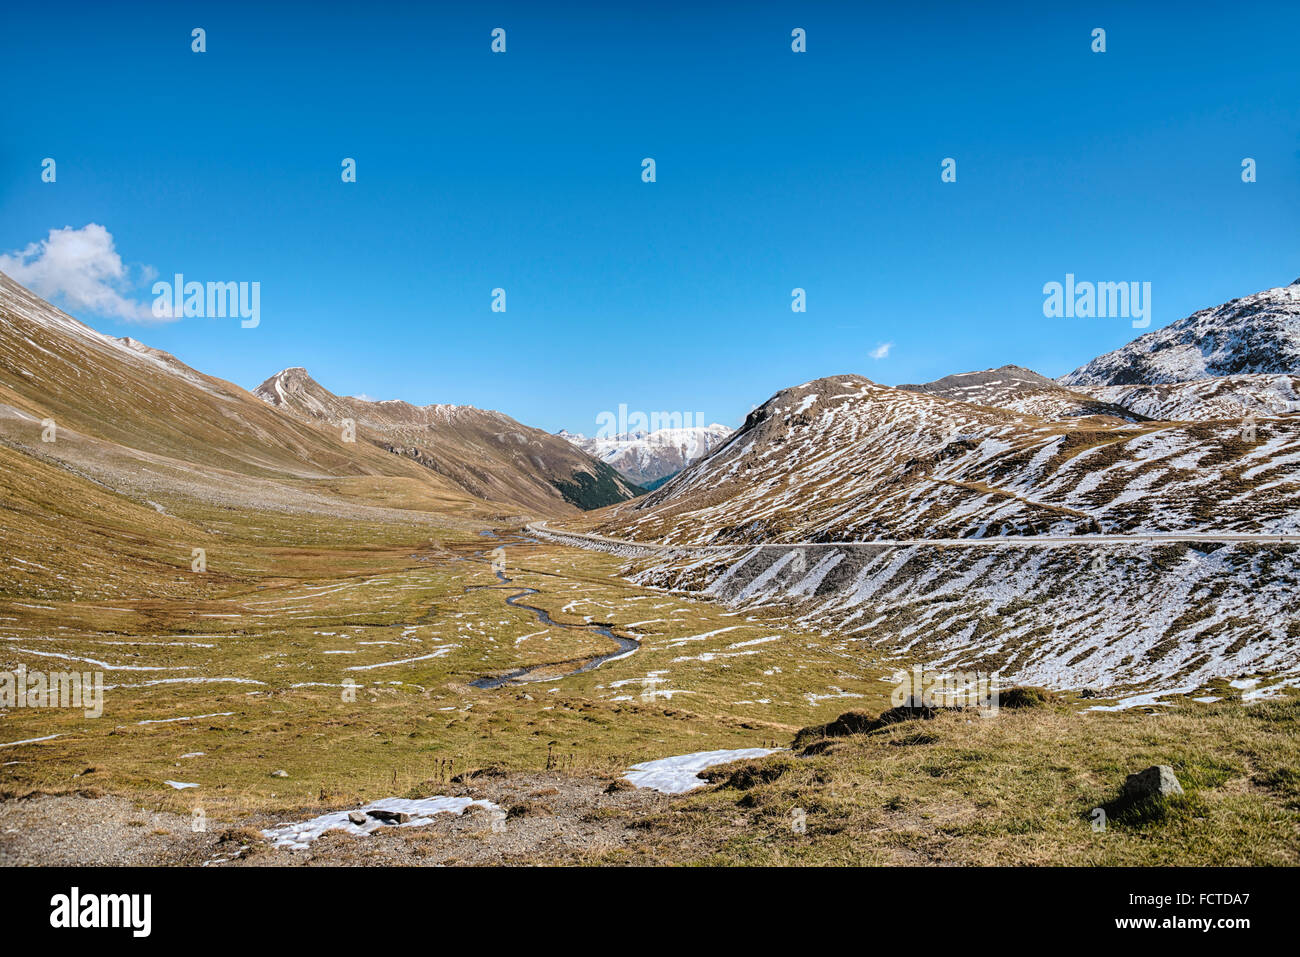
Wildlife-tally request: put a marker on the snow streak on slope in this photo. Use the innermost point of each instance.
(1114, 617)
(845, 459)
(1253, 334)
(1227, 397)
(1022, 390)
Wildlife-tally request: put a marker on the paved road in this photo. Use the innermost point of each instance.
(1161, 538)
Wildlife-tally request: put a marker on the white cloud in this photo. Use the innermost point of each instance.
(882, 351)
(82, 268)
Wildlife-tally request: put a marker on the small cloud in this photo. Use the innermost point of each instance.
(82, 268)
(882, 350)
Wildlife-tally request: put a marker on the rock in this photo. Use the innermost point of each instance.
(390, 817)
(357, 817)
(1156, 781)
(279, 774)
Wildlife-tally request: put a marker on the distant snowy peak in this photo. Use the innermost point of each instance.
(647, 458)
(1258, 334)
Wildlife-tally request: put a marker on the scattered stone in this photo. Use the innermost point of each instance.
(390, 817)
(279, 774)
(1145, 791)
(1156, 781)
(357, 817)
(859, 722)
(492, 771)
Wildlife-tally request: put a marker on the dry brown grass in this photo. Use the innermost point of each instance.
(1015, 789)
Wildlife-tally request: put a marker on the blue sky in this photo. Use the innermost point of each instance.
(774, 170)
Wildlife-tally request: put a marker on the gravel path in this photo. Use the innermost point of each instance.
(550, 818)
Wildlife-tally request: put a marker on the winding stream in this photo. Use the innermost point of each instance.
(625, 645)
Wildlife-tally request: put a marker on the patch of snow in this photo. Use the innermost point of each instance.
(679, 774)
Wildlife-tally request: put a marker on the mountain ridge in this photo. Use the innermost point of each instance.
(484, 452)
(1254, 334)
(646, 458)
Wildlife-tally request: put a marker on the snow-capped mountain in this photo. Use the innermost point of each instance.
(1258, 334)
(650, 458)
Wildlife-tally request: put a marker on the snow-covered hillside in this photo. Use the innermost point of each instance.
(1115, 619)
(1254, 334)
(847, 459)
(1022, 390)
(1224, 397)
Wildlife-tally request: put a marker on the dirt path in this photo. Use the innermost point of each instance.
(551, 818)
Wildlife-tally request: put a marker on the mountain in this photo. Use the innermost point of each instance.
(117, 459)
(487, 454)
(1241, 358)
(140, 421)
(1225, 397)
(648, 459)
(820, 506)
(1253, 335)
(1022, 390)
(844, 458)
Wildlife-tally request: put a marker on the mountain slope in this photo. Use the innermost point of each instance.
(856, 466)
(1021, 390)
(142, 423)
(1257, 334)
(846, 459)
(1221, 397)
(116, 460)
(648, 458)
(487, 454)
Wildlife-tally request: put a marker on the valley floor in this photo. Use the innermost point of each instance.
(227, 700)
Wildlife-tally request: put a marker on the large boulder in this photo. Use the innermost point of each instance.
(1144, 793)
(1156, 781)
